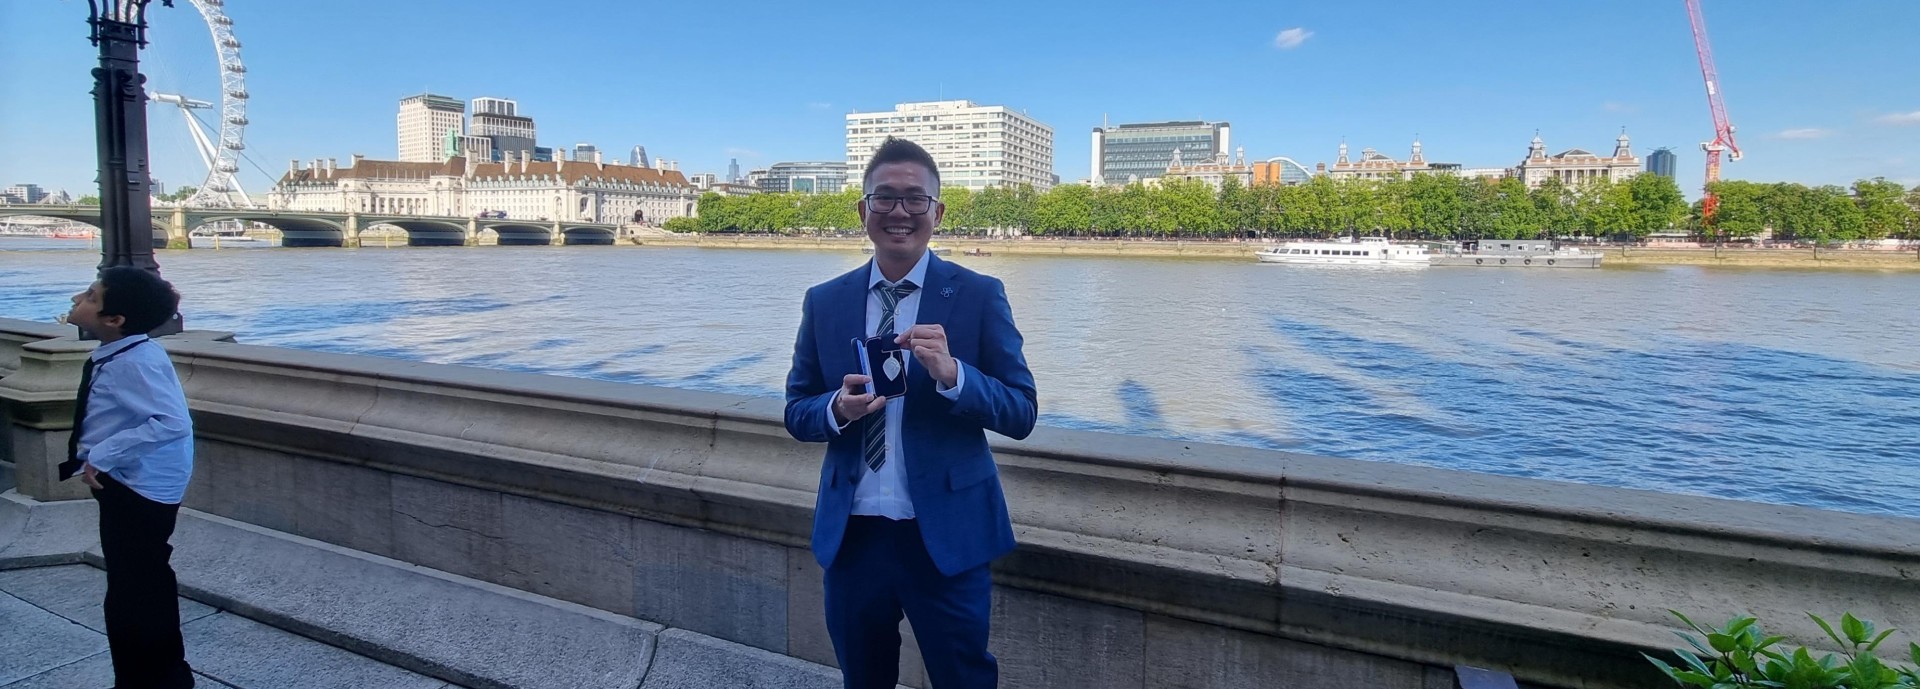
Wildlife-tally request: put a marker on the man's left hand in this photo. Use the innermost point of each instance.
(928, 342)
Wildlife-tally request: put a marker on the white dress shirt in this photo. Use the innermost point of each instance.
(137, 429)
(883, 493)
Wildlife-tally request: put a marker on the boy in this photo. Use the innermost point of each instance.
(133, 445)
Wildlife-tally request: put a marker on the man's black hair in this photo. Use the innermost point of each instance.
(898, 150)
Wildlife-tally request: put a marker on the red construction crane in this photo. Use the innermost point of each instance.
(1722, 129)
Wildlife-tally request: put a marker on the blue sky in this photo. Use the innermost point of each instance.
(1822, 92)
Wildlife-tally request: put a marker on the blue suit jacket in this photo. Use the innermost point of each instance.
(951, 476)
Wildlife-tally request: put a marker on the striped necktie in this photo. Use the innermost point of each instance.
(875, 447)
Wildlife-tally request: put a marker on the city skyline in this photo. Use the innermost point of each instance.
(1293, 80)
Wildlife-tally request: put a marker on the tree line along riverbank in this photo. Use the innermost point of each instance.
(1425, 207)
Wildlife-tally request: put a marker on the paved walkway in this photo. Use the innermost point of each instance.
(52, 636)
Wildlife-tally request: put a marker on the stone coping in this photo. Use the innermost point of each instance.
(15, 333)
(1555, 581)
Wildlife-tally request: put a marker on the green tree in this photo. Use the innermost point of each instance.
(1239, 207)
(1393, 213)
(1657, 204)
(1913, 218)
(1514, 216)
(994, 209)
(1324, 206)
(1190, 208)
(1613, 212)
(1555, 205)
(1883, 208)
(681, 224)
(89, 200)
(1064, 210)
(1848, 221)
(1435, 205)
(1023, 200)
(959, 218)
(719, 213)
(1744, 211)
(1267, 216)
(1133, 211)
(1477, 198)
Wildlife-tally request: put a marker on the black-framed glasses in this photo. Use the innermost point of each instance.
(916, 204)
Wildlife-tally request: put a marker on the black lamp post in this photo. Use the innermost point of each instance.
(120, 126)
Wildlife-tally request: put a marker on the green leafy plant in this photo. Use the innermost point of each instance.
(1741, 655)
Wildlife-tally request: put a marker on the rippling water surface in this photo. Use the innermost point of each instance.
(1793, 387)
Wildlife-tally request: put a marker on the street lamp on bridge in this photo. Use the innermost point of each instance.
(119, 28)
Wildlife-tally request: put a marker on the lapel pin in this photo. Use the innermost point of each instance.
(946, 291)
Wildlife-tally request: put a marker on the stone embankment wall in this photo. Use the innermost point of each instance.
(1143, 562)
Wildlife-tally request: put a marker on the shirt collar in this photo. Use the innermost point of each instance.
(918, 276)
(121, 345)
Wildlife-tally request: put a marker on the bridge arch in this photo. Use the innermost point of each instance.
(424, 231)
(294, 231)
(574, 235)
(523, 233)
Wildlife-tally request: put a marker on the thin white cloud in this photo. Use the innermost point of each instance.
(818, 105)
(1616, 106)
(1900, 118)
(1802, 133)
(1291, 38)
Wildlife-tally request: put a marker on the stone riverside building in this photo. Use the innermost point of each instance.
(524, 189)
(1572, 166)
(1575, 166)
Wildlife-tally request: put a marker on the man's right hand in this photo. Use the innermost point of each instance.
(854, 402)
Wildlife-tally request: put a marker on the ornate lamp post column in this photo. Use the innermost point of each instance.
(120, 126)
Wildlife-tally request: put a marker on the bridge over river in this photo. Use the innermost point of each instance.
(313, 228)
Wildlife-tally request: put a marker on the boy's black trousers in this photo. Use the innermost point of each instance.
(142, 607)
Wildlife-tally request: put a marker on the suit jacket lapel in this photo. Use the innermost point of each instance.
(936, 302)
(847, 319)
(936, 298)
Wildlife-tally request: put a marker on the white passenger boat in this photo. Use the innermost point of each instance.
(1368, 251)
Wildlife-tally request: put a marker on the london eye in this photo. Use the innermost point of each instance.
(220, 147)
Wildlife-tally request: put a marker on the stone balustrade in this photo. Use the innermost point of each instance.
(1143, 562)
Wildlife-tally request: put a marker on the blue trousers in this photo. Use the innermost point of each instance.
(882, 571)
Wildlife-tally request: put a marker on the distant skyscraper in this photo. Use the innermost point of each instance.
(1660, 162)
(423, 125)
(639, 157)
(733, 171)
(495, 106)
(585, 152)
(499, 120)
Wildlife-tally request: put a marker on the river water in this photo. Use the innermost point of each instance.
(1782, 386)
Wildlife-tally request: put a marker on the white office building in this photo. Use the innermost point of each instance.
(975, 146)
(423, 125)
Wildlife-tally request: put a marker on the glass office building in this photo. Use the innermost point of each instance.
(1136, 152)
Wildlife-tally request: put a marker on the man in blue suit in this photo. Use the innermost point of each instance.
(910, 511)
